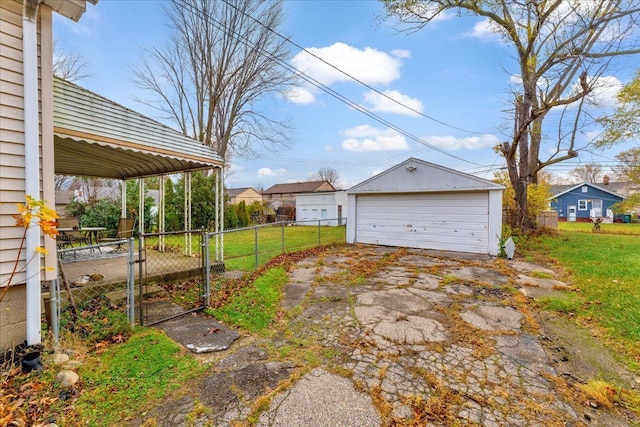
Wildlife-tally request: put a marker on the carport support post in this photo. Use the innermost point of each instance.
(131, 286)
(54, 305)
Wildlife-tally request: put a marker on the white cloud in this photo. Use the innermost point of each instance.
(401, 53)
(368, 65)
(485, 30)
(300, 95)
(381, 103)
(366, 138)
(605, 90)
(266, 172)
(469, 143)
(591, 135)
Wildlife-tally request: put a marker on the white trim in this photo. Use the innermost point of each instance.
(32, 167)
(586, 205)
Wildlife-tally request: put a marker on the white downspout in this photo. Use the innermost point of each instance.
(32, 163)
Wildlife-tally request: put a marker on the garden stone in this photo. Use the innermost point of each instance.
(67, 378)
(59, 359)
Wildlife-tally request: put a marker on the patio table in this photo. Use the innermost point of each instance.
(90, 232)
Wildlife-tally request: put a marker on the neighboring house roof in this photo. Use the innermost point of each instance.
(97, 137)
(233, 192)
(618, 189)
(299, 187)
(64, 197)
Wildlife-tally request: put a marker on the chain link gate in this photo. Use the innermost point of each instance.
(171, 275)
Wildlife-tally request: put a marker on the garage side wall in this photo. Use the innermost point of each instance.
(495, 221)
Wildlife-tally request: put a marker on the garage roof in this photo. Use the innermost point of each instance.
(96, 137)
(417, 176)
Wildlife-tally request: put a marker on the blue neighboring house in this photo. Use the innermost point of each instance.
(582, 202)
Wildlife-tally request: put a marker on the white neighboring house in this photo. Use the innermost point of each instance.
(329, 207)
(417, 204)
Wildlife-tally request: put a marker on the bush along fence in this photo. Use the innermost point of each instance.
(110, 287)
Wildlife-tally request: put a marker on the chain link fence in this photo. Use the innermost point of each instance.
(158, 276)
(94, 293)
(246, 249)
(171, 270)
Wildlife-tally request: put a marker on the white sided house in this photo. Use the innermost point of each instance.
(329, 208)
(26, 153)
(417, 204)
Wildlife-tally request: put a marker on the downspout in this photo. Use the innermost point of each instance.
(32, 162)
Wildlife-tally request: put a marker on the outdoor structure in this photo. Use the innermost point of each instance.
(285, 194)
(422, 205)
(244, 194)
(586, 201)
(26, 154)
(50, 128)
(330, 208)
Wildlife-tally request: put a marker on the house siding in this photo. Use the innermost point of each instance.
(310, 207)
(12, 160)
(573, 198)
(11, 136)
(248, 196)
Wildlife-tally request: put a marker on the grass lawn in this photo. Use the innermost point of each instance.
(256, 306)
(123, 379)
(615, 228)
(605, 267)
(240, 246)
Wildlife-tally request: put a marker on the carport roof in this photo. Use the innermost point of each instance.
(96, 137)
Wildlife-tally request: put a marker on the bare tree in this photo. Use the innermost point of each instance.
(591, 172)
(327, 174)
(69, 67)
(62, 182)
(562, 48)
(629, 167)
(217, 74)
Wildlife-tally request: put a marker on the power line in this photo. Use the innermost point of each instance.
(288, 40)
(322, 86)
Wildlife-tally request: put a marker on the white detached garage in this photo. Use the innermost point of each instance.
(417, 204)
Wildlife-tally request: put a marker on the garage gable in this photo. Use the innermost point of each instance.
(417, 176)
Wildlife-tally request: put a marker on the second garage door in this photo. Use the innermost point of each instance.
(455, 221)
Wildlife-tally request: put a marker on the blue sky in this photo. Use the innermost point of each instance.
(454, 71)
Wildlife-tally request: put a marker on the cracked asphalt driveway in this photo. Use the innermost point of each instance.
(386, 336)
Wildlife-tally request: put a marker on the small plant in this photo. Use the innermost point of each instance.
(255, 307)
(96, 319)
(601, 392)
(32, 212)
(560, 304)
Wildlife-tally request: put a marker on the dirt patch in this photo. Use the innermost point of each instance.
(578, 354)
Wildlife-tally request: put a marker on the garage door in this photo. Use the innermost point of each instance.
(444, 221)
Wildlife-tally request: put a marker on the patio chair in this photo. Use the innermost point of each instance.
(124, 231)
(70, 232)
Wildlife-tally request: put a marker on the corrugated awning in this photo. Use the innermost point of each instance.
(96, 137)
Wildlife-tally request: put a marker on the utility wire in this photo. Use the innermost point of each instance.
(327, 89)
(287, 39)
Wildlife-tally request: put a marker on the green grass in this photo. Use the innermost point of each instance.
(615, 228)
(240, 245)
(255, 307)
(606, 270)
(127, 376)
